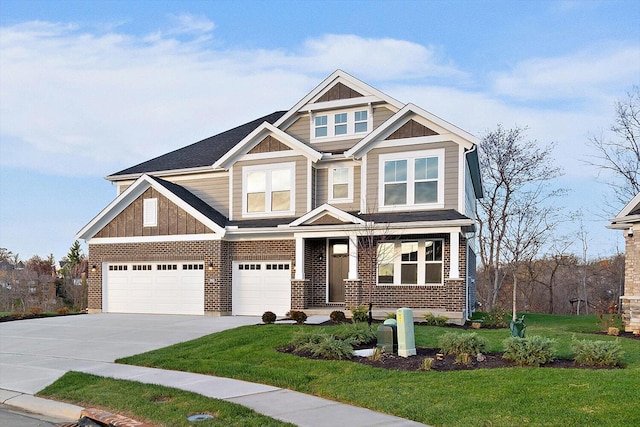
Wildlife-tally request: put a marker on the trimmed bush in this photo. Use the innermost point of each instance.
(360, 313)
(432, 320)
(495, 318)
(269, 317)
(459, 343)
(532, 351)
(356, 334)
(337, 316)
(298, 316)
(597, 353)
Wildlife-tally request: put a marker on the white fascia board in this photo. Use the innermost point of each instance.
(114, 208)
(258, 134)
(340, 103)
(624, 222)
(326, 209)
(155, 239)
(337, 76)
(447, 131)
(629, 207)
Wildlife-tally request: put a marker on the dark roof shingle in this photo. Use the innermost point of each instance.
(201, 153)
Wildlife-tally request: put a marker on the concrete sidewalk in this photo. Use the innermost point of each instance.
(35, 353)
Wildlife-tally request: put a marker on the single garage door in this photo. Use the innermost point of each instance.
(158, 288)
(261, 286)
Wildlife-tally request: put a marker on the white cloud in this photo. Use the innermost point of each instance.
(577, 75)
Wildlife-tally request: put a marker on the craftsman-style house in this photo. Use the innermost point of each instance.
(347, 198)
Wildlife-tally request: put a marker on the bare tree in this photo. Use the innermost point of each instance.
(620, 155)
(515, 173)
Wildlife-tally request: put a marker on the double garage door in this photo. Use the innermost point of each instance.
(154, 287)
(178, 288)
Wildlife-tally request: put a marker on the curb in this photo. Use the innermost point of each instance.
(38, 405)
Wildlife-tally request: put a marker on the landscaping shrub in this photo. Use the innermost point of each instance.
(304, 336)
(426, 364)
(432, 320)
(326, 346)
(359, 313)
(269, 317)
(63, 310)
(356, 334)
(597, 353)
(495, 318)
(35, 310)
(459, 343)
(337, 316)
(532, 351)
(298, 316)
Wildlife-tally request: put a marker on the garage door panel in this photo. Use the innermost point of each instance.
(260, 286)
(162, 288)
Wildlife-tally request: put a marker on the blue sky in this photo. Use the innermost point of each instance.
(88, 88)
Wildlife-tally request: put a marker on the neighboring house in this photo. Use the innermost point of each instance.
(347, 198)
(628, 220)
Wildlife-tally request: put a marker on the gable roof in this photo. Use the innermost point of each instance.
(200, 154)
(630, 214)
(182, 197)
(327, 209)
(369, 94)
(257, 135)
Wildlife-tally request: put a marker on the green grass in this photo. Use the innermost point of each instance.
(151, 403)
(496, 397)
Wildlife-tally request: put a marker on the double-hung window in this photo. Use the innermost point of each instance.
(413, 262)
(412, 180)
(327, 126)
(340, 184)
(268, 189)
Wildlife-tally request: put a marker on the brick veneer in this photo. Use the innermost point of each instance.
(631, 299)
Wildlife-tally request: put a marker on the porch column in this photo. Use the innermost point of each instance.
(353, 258)
(299, 258)
(454, 255)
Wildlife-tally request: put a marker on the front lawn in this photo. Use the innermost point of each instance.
(153, 404)
(497, 397)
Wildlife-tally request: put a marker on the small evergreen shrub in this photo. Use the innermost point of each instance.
(495, 318)
(305, 336)
(532, 351)
(268, 317)
(360, 313)
(35, 310)
(63, 310)
(298, 316)
(356, 334)
(597, 353)
(432, 320)
(459, 343)
(337, 316)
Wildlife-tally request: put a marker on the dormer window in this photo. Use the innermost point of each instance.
(341, 124)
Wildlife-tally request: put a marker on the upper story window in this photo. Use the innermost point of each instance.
(268, 189)
(413, 180)
(337, 125)
(340, 185)
(416, 262)
(150, 213)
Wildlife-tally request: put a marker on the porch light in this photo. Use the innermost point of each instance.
(210, 266)
(93, 268)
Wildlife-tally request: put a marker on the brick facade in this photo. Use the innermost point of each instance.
(631, 299)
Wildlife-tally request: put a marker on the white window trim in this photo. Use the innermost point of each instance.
(410, 157)
(349, 198)
(351, 133)
(268, 169)
(150, 212)
(397, 264)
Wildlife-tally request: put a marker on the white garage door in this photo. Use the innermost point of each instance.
(159, 288)
(261, 286)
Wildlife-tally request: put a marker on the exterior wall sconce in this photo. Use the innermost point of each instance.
(93, 268)
(210, 266)
(320, 257)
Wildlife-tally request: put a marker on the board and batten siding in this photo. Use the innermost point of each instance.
(451, 153)
(301, 185)
(172, 220)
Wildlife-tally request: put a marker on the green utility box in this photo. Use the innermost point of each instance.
(388, 338)
(406, 336)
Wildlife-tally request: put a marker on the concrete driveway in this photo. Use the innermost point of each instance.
(34, 353)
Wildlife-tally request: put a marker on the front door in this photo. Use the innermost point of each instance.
(338, 268)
